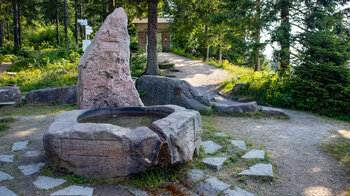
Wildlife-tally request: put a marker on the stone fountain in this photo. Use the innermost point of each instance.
(113, 134)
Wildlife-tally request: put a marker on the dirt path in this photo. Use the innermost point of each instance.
(293, 145)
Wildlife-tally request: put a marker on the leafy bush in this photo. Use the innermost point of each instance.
(138, 64)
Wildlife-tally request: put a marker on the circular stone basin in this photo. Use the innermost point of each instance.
(110, 142)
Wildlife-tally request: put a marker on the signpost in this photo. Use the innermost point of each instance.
(88, 31)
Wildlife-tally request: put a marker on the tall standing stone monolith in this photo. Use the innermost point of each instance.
(104, 72)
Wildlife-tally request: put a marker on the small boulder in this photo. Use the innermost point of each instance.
(273, 112)
(10, 95)
(64, 95)
(158, 90)
(250, 107)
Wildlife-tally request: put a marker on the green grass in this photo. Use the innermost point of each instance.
(157, 177)
(7, 120)
(4, 128)
(24, 110)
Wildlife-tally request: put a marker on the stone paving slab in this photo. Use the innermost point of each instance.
(5, 176)
(259, 169)
(240, 144)
(215, 162)
(137, 192)
(31, 169)
(237, 192)
(220, 134)
(254, 154)
(74, 191)
(6, 158)
(210, 146)
(193, 176)
(45, 182)
(6, 192)
(33, 157)
(20, 145)
(211, 187)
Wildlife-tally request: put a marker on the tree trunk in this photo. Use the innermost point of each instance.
(2, 34)
(112, 4)
(19, 28)
(257, 38)
(15, 25)
(76, 33)
(285, 42)
(152, 53)
(207, 43)
(65, 22)
(8, 31)
(57, 28)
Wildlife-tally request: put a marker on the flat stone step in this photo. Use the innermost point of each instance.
(259, 169)
(74, 191)
(45, 182)
(6, 158)
(254, 154)
(5, 176)
(31, 169)
(237, 192)
(220, 134)
(239, 143)
(4, 191)
(20, 145)
(210, 146)
(211, 187)
(215, 162)
(193, 176)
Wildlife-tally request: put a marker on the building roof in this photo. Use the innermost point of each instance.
(159, 19)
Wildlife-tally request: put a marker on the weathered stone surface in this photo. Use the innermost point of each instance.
(64, 95)
(74, 191)
(161, 91)
(6, 192)
(93, 149)
(45, 182)
(19, 145)
(237, 87)
(211, 187)
(273, 112)
(137, 192)
(215, 162)
(166, 65)
(259, 170)
(32, 157)
(192, 177)
(210, 146)
(237, 192)
(240, 144)
(254, 154)
(6, 158)
(31, 169)
(220, 134)
(10, 94)
(250, 107)
(5, 176)
(104, 74)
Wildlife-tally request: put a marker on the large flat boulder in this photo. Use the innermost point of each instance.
(157, 90)
(64, 95)
(104, 74)
(239, 108)
(10, 95)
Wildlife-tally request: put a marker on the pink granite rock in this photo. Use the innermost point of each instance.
(104, 73)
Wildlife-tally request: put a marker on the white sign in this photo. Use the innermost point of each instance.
(86, 44)
(88, 28)
(88, 32)
(83, 22)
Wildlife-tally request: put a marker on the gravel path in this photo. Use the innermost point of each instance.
(293, 146)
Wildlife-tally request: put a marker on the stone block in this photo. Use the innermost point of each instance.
(63, 95)
(9, 95)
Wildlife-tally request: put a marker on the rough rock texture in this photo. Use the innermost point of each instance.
(250, 107)
(10, 94)
(273, 112)
(106, 150)
(215, 162)
(210, 146)
(104, 73)
(211, 187)
(161, 91)
(64, 95)
(192, 177)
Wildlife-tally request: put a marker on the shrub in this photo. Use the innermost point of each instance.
(138, 64)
